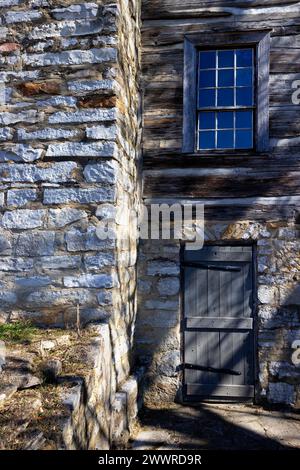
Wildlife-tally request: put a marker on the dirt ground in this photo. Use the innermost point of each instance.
(218, 427)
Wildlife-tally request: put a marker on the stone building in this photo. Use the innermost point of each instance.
(107, 105)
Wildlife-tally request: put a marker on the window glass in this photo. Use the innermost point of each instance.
(207, 140)
(208, 60)
(226, 99)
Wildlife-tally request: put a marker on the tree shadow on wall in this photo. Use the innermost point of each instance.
(280, 322)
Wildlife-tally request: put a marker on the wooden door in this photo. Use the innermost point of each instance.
(218, 323)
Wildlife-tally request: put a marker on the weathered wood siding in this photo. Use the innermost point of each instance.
(168, 172)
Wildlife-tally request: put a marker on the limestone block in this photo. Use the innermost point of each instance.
(22, 16)
(75, 149)
(6, 133)
(162, 268)
(86, 241)
(35, 244)
(79, 195)
(91, 280)
(20, 153)
(21, 197)
(73, 57)
(168, 286)
(24, 219)
(86, 115)
(84, 10)
(52, 173)
(104, 172)
(48, 133)
(281, 392)
(267, 294)
(58, 218)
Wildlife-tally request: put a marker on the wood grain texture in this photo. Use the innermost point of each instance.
(275, 172)
(219, 335)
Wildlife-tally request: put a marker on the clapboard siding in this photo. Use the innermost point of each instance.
(164, 26)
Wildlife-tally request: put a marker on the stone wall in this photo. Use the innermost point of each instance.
(57, 391)
(69, 133)
(158, 333)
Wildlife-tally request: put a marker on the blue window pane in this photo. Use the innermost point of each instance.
(244, 77)
(206, 140)
(207, 98)
(207, 78)
(225, 59)
(243, 139)
(207, 121)
(225, 97)
(208, 60)
(244, 57)
(244, 97)
(225, 120)
(225, 78)
(225, 140)
(243, 120)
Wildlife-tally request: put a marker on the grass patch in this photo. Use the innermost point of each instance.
(17, 332)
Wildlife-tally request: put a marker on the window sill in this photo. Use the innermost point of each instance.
(225, 153)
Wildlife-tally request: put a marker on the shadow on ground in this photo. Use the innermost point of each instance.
(217, 427)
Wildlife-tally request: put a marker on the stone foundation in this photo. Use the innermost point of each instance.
(158, 335)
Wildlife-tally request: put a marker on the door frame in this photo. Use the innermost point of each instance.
(241, 243)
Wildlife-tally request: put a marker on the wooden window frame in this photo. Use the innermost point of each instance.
(260, 41)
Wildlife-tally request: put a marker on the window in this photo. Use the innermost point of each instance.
(226, 100)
